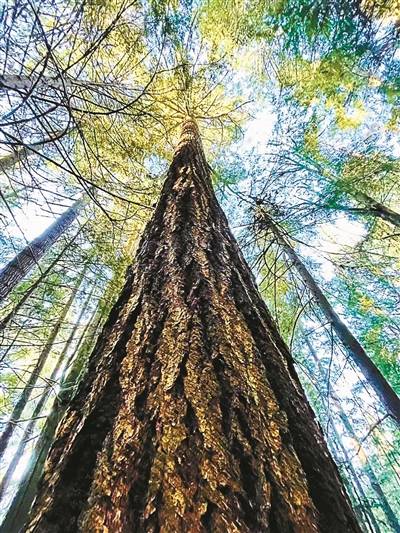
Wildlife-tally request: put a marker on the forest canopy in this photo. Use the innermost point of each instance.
(285, 114)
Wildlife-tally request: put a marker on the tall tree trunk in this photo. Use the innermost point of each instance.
(28, 293)
(19, 267)
(20, 83)
(357, 353)
(11, 425)
(191, 416)
(338, 441)
(391, 518)
(371, 207)
(363, 510)
(374, 208)
(38, 410)
(18, 511)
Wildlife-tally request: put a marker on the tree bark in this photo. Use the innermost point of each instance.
(191, 416)
(11, 425)
(357, 353)
(19, 267)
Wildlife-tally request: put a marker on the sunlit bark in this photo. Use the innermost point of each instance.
(191, 416)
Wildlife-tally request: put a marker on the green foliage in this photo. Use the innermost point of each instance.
(329, 72)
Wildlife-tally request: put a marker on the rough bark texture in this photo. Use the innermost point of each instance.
(192, 417)
(357, 353)
(23, 263)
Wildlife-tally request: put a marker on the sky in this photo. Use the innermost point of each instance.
(31, 221)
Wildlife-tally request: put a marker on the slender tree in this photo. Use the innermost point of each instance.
(21, 153)
(363, 509)
(20, 266)
(391, 518)
(367, 467)
(4, 322)
(25, 494)
(357, 353)
(11, 425)
(191, 416)
(41, 404)
(372, 208)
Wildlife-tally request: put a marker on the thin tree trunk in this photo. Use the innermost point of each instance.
(37, 412)
(11, 425)
(371, 208)
(20, 154)
(357, 353)
(28, 293)
(364, 512)
(391, 518)
(8, 161)
(19, 267)
(20, 83)
(375, 208)
(367, 467)
(191, 416)
(18, 511)
(369, 514)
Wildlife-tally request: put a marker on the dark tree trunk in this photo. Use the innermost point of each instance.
(4, 322)
(191, 416)
(19, 267)
(357, 353)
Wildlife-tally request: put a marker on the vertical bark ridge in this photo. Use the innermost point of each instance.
(204, 436)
